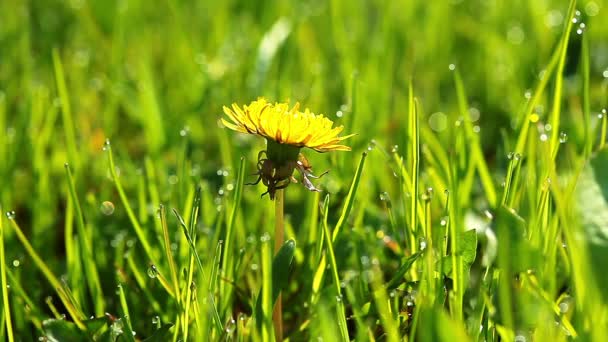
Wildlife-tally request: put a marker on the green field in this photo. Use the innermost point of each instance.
(472, 207)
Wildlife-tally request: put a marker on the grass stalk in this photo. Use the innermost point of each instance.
(4, 283)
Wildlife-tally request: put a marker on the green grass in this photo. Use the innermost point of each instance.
(473, 206)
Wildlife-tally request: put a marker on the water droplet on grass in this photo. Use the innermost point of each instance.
(107, 208)
(452, 66)
(156, 321)
(422, 244)
(384, 196)
(265, 238)
(11, 215)
(16, 263)
(173, 179)
(372, 145)
(563, 137)
(152, 271)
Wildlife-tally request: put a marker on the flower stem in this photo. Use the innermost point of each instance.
(279, 236)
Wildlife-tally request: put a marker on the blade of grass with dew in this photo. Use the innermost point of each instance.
(88, 262)
(194, 208)
(35, 313)
(348, 203)
(228, 255)
(66, 110)
(128, 334)
(170, 259)
(4, 283)
(414, 139)
(125, 201)
(555, 116)
(74, 312)
(475, 145)
(152, 185)
(381, 300)
(264, 317)
(340, 312)
(586, 93)
(213, 308)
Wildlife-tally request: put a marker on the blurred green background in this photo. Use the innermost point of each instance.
(153, 76)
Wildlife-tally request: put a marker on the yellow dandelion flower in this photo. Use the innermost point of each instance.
(286, 125)
(286, 130)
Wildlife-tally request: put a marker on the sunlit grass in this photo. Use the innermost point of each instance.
(473, 205)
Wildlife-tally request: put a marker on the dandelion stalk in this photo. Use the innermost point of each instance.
(279, 236)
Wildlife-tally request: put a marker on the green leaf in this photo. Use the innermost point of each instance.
(592, 198)
(280, 268)
(62, 330)
(93, 325)
(161, 334)
(405, 266)
(513, 245)
(280, 273)
(436, 325)
(466, 251)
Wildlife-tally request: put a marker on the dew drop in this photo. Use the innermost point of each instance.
(452, 66)
(444, 221)
(184, 131)
(11, 215)
(395, 148)
(422, 244)
(16, 263)
(107, 208)
(152, 271)
(517, 156)
(563, 137)
(339, 298)
(265, 238)
(372, 145)
(543, 137)
(173, 179)
(107, 145)
(384, 196)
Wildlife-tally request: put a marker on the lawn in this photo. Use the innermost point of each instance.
(471, 205)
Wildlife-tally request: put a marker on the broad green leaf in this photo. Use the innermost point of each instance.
(466, 251)
(281, 265)
(513, 244)
(592, 197)
(93, 325)
(62, 330)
